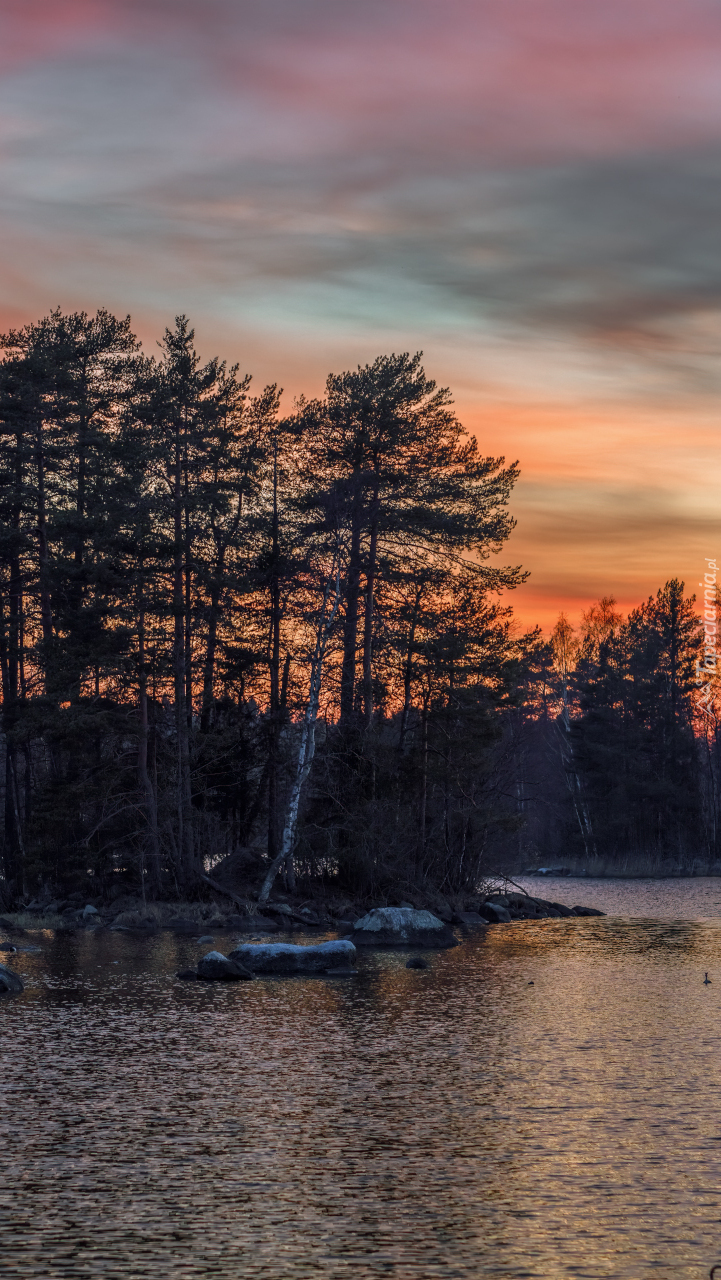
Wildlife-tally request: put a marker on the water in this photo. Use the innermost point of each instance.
(456, 1122)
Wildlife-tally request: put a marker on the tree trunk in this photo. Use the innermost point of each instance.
(151, 809)
(185, 829)
(306, 749)
(368, 617)
(46, 615)
(350, 628)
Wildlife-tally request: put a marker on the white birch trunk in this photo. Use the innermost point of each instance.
(306, 749)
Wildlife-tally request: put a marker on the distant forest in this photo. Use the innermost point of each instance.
(279, 645)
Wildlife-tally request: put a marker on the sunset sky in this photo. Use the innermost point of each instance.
(528, 191)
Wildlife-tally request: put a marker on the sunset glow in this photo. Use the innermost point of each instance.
(527, 193)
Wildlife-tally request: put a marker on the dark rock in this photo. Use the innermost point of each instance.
(561, 909)
(402, 927)
(253, 924)
(187, 975)
(215, 967)
(207, 937)
(180, 925)
(469, 918)
(285, 957)
(417, 963)
(9, 927)
(340, 973)
(494, 913)
(10, 983)
(587, 911)
(345, 924)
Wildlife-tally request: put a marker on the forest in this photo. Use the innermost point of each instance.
(281, 644)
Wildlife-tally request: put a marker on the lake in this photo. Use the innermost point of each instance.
(455, 1122)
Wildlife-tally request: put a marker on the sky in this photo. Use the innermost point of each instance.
(527, 191)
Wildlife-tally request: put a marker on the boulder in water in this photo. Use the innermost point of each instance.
(10, 982)
(285, 957)
(401, 927)
(215, 967)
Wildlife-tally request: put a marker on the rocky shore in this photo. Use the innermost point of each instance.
(404, 926)
(282, 915)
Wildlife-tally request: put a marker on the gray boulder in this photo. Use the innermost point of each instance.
(10, 982)
(401, 927)
(91, 913)
(215, 967)
(285, 957)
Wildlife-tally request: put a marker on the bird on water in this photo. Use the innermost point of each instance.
(706, 980)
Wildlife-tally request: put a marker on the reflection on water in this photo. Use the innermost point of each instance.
(454, 1122)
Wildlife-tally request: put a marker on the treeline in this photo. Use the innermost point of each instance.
(632, 764)
(231, 634)
(278, 644)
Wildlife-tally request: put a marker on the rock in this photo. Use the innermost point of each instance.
(587, 911)
(342, 925)
(215, 967)
(494, 913)
(134, 920)
(285, 957)
(468, 918)
(402, 927)
(553, 871)
(187, 975)
(90, 913)
(10, 982)
(443, 911)
(561, 909)
(406, 906)
(9, 927)
(340, 973)
(253, 924)
(180, 925)
(207, 937)
(417, 963)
